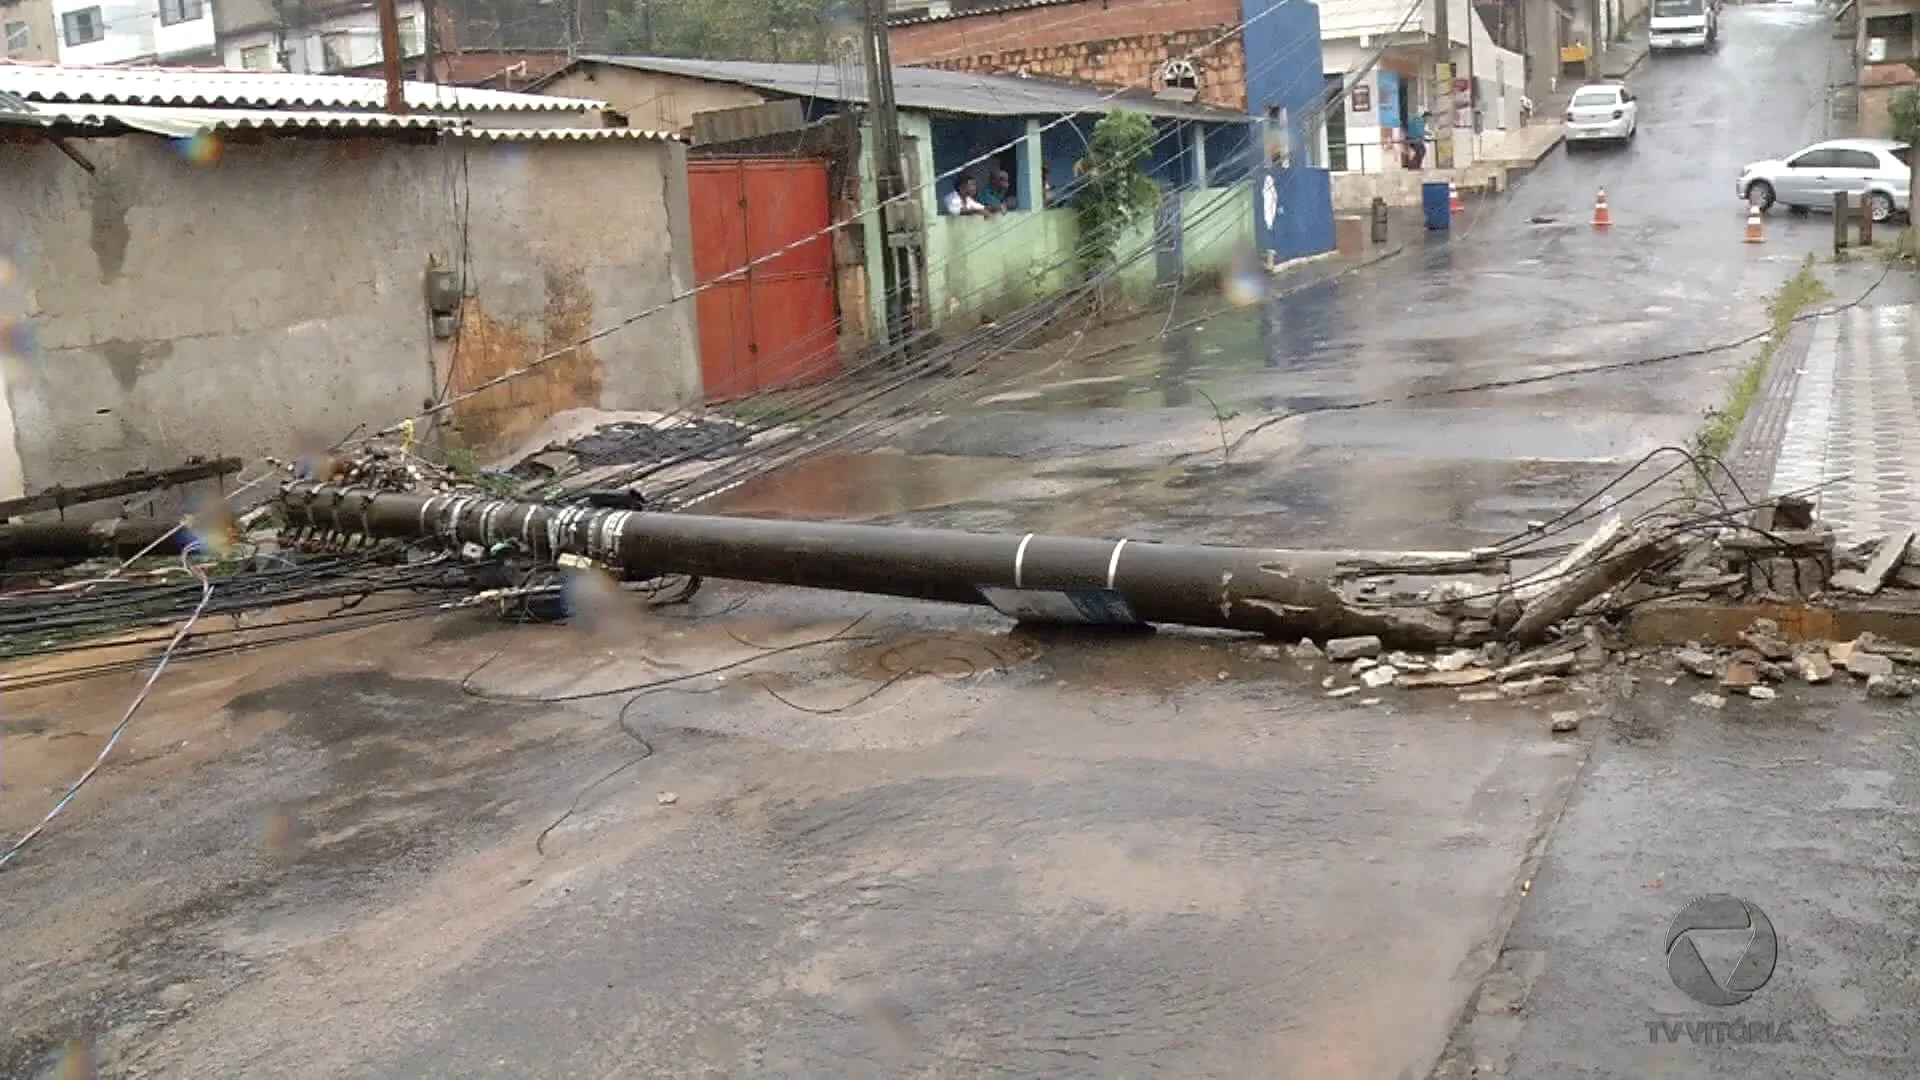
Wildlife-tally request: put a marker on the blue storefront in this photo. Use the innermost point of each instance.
(1293, 195)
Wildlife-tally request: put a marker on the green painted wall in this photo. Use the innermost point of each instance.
(982, 268)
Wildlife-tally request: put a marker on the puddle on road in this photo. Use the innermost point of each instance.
(841, 484)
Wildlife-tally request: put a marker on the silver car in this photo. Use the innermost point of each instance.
(1876, 170)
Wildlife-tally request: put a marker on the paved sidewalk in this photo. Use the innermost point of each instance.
(1839, 415)
(1854, 428)
(1618, 59)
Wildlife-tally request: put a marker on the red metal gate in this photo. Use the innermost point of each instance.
(775, 324)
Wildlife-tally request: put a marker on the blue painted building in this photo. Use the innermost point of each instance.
(1286, 93)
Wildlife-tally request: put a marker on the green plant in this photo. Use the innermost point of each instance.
(463, 462)
(735, 30)
(1904, 110)
(1220, 417)
(1114, 191)
(1800, 292)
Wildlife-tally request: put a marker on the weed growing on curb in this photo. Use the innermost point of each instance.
(1801, 291)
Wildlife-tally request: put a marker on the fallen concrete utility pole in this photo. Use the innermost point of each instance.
(1287, 594)
(76, 542)
(134, 483)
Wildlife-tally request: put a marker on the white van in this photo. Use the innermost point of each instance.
(1684, 24)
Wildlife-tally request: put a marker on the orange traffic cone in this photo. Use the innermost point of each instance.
(1601, 218)
(1454, 205)
(1754, 235)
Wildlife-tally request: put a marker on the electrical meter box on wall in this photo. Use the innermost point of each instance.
(443, 291)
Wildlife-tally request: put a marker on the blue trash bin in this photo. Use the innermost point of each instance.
(1436, 199)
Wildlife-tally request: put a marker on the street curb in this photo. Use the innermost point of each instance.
(1460, 1054)
(1755, 450)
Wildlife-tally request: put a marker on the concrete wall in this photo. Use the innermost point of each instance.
(648, 99)
(1114, 42)
(277, 295)
(37, 16)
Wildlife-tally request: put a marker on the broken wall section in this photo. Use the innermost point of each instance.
(229, 303)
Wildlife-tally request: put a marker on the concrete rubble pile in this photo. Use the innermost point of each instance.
(1567, 626)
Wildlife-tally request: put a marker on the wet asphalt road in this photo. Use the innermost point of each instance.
(933, 849)
(1523, 286)
(1804, 807)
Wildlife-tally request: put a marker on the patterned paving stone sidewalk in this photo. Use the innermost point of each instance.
(1851, 431)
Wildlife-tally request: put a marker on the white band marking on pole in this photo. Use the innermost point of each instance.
(1113, 563)
(1020, 558)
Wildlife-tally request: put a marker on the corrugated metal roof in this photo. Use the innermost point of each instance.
(186, 123)
(929, 89)
(984, 9)
(256, 89)
(561, 134)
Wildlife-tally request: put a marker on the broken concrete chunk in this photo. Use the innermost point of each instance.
(1408, 662)
(1711, 701)
(1495, 654)
(1792, 512)
(1814, 667)
(1764, 637)
(1551, 665)
(1770, 671)
(1762, 693)
(1889, 686)
(1886, 559)
(1864, 665)
(1379, 676)
(1461, 677)
(1480, 695)
(1839, 651)
(1739, 675)
(1455, 660)
(1362, 665)
(1566, 721)
(1343, 691)
(1539, 684)
(1699, 662)
(1306, 650)
(1341, 650)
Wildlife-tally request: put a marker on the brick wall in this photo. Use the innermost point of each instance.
(1116, 43)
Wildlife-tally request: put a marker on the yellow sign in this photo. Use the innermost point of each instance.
(1573, 54)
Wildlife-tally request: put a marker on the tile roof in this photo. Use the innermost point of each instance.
(930, 89)
(223, 87)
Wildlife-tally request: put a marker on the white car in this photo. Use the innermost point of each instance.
(1684, 24)
(1602, 112)
(1876, 170)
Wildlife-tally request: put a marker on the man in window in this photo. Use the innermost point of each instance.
(999, 194)
(963, 200)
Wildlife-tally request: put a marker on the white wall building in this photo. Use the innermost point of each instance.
(1380, 99)
(338, 41)
(123, 31)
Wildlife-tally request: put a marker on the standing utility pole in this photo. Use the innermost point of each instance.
(1594, 41)
(1442, 127)
(390, 58)
(428, 72)
(896, 216)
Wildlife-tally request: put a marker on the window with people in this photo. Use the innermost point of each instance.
(968, 197)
